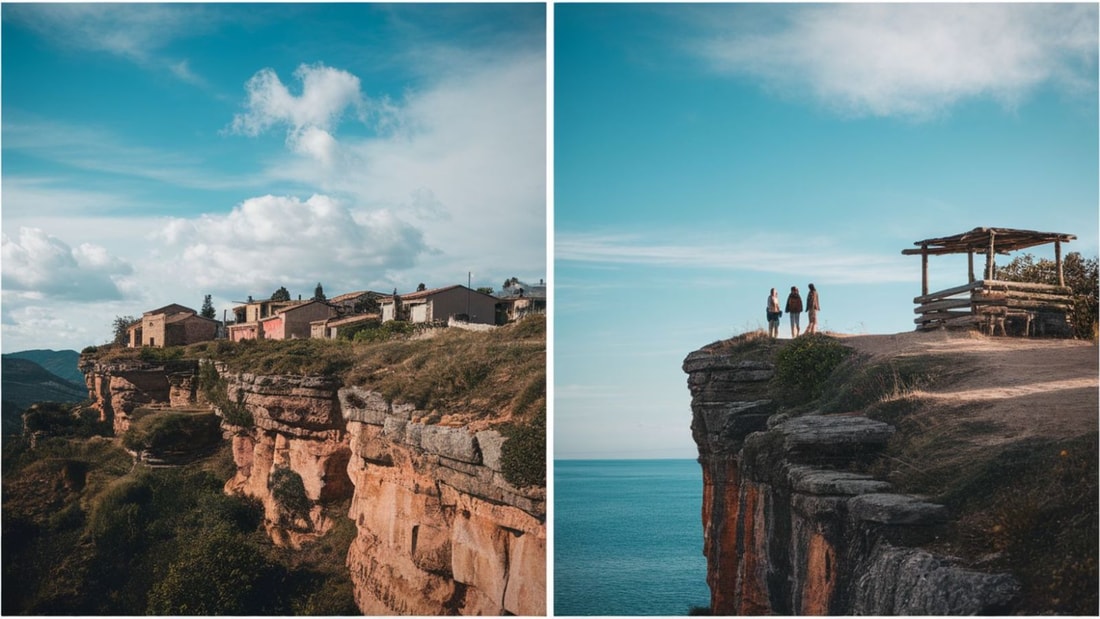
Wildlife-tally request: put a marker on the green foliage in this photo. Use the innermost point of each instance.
(119, 327)
(319, 293)
(523, 455)
(485, 289)
(803, 366)
(169, 432)
(88, 350)
(859, 385)
(63, 419)
(216, 391)
(1080, 274)
(282, 294)
(208, 310)
(217, 573)
(289, 492)
(389, 330)
(152, 354)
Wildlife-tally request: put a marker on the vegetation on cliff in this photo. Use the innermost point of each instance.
(1027, 505)
(87, 532)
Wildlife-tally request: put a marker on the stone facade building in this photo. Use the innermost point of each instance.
(171, 325)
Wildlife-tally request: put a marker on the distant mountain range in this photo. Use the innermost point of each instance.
(26, 379)
(61, 362)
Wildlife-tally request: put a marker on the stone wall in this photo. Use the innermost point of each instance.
(790, 529)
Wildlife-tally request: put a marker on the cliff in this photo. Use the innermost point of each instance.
(793, 522)
(439, 528)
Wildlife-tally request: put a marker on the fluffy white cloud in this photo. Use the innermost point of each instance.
(309, 116)
(39, 265)
(910, 60)
(272, 241)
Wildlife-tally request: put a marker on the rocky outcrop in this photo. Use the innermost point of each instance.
(454, 537)
(296, 426)
(117, 389)
(439, 529)
(791, 529)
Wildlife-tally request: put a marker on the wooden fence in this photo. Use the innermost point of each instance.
(991, 305)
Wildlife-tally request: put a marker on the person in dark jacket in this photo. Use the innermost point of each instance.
(794, 309)
(812, 308)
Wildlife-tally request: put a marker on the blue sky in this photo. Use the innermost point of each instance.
(156, 153)
(706, 153)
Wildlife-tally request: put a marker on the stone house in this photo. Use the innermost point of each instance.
(519, 299)
(294, 322)
(171, 325)
(247, 316)
(440, 304)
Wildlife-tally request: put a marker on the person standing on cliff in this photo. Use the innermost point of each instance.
(794, 308)
(812, 308)
(773, 314)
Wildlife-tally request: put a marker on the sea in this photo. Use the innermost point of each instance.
(628, 537)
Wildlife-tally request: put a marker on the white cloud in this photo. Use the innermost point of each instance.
(269, 241)
(908, 60)
(831, 265)
(309, 116)
(461, 158)
(38, 265)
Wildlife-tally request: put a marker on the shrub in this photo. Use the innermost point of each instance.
(523, 456)
(289, 492)
(219, 573)
(392, 329)
(803, 366)
(162, 432)
(216, 390)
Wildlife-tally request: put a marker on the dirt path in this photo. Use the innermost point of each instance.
(1029, 387)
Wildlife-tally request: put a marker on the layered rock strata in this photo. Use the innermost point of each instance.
(439, 529)
(452, 533)
(118, 389)
(790, 529)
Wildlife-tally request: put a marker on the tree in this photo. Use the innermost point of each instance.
(397, 309)
(282, 294)
(366, 303)
(485, 289)
(421, 287)
(207, 310)
(1081, 275)
(120, 326)
(318, 293)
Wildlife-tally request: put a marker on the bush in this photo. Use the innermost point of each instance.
(162, 432)
(803, 366)
(523, 456)
(219, 573)
(290, 492)
(389, 330)
(216, 390)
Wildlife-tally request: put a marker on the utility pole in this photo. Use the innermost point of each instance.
(469, 279)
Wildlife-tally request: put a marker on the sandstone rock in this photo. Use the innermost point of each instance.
(363, 405)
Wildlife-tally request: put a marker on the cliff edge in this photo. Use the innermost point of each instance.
(917, 473)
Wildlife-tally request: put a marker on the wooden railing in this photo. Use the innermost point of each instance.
(989, 304)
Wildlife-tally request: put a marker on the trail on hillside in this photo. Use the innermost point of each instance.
(1026, 387)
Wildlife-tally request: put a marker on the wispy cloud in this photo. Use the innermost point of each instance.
(907, 60)
(832, 264)
(137, 32)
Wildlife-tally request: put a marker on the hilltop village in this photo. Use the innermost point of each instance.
(280, 317)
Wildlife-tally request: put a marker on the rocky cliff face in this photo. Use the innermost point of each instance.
(117, 389)
(791, 529)
(439, 529)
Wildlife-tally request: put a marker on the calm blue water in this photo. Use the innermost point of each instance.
(628, 537)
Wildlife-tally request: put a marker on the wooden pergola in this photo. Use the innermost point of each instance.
(987, 301)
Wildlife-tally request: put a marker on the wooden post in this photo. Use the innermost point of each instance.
(970, 266)
(989, 256)
(1058, 261)
(923, 270)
